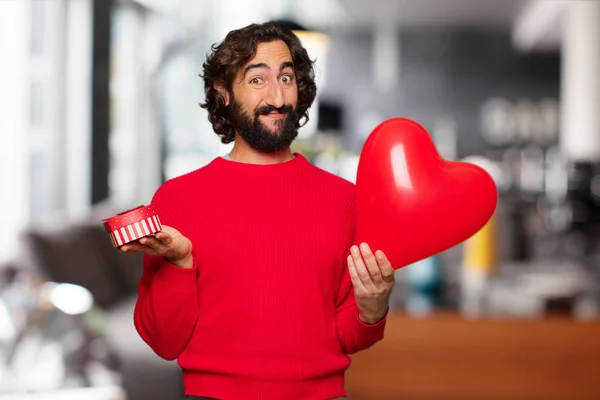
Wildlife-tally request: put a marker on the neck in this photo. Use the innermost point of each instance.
(242, 152)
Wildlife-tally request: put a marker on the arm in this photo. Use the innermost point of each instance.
(167, 308)
(363, 299)
(354, 334)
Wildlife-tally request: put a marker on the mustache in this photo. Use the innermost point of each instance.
(269, 109)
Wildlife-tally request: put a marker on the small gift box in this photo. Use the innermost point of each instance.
(132, 225)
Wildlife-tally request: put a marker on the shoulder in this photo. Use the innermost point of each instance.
(185, 184)
(331, 188)
(177, 198)
(336, 197)
(330, 180)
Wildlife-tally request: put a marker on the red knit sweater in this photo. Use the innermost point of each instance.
(268, 311)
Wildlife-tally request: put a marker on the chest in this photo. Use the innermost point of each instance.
(302, 241)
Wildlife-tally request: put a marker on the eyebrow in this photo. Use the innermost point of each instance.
(284, 65)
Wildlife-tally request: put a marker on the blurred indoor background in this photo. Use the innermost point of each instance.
(99, 104)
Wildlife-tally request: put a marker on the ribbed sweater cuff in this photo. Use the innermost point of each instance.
(182, 279)
(378, 324)
(370, 333)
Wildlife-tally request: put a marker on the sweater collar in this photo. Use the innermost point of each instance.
(232, 166)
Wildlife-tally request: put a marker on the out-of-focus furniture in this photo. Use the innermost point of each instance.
(80, 252)
(444, 356)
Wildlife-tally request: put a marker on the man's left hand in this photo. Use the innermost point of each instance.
(373, 278)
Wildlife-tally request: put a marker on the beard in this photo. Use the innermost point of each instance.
(257, 135)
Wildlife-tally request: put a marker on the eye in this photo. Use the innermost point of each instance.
(287, 79)
(256, 80)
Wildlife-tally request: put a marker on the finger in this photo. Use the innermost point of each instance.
(153, 243)
(361, 269)
(387, 271)
(371, 263)
(131, 247)
(164, 238)
(356, 281)
(135, 246)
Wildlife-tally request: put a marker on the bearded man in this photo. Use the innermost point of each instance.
(255, 284)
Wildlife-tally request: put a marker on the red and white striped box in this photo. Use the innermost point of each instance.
(132, 225)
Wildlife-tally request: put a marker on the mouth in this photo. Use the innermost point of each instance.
(274, 115)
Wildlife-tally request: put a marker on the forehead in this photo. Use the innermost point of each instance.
(273, 52)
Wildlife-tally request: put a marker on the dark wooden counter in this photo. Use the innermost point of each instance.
(444, 356)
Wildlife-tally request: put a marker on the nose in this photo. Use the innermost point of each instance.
(275, 96)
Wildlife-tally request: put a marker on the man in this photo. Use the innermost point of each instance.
(255, 285)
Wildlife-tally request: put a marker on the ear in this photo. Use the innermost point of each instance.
(223, 92)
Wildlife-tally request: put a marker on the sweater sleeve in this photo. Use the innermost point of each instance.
(354, 335)
(166, 309)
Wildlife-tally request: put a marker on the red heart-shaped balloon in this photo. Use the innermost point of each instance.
(411, 203)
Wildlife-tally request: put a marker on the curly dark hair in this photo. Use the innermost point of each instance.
(238, 47)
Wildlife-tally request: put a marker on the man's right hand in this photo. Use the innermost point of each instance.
(168, 243)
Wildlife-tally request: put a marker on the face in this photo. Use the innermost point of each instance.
(264, 99)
